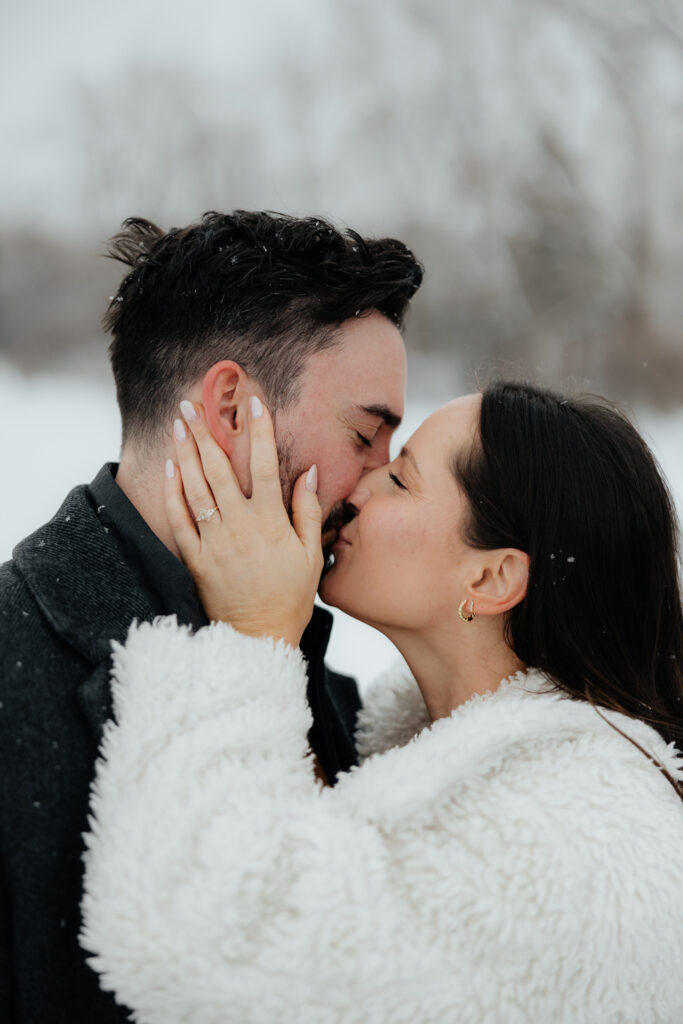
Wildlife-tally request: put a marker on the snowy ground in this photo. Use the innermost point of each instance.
(69, 427)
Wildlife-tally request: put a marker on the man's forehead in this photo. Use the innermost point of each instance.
(363, 374)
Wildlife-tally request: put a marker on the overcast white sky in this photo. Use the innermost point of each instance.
(50, 50)
(458, 125)
(438, 84)
(44, 45)
(477, 76)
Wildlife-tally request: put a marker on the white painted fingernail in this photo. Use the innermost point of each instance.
(188, 411)
(256, 407)
(170, 469)
(179, 430)
(312, 479)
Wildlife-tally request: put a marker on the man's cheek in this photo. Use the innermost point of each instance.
(326, 496)
(325, 504)
(338, 487)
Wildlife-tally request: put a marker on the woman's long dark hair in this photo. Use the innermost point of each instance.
(571, 482)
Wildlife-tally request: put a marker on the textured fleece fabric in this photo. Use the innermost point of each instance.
(516, 862)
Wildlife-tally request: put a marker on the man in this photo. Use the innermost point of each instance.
(287, 309)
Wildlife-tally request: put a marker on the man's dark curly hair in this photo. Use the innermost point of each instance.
(263, 289)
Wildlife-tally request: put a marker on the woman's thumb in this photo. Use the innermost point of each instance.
(306, 511)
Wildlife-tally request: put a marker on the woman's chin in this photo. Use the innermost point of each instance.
(327, 589)
(331, 589)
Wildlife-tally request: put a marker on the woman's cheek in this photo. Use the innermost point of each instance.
(380, 541)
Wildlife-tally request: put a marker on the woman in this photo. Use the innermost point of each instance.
(511, 852)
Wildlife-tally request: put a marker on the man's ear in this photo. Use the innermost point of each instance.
(225, 392)
(501, 583)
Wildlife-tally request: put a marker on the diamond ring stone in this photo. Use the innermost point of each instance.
(205, 514)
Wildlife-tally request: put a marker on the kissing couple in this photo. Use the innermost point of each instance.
(492, 834)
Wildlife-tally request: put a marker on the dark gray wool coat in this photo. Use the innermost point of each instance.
(65, 595)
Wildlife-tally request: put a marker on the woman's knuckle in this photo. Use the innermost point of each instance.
(214, 465)
(265, 466)
(196, 499)
(176, 517)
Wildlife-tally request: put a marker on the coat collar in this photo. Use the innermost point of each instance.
(86, 592)
(79, 580)
(89, 595)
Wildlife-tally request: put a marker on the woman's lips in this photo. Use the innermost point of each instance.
(341, 542)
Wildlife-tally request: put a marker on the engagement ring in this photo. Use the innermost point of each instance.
(205, 514)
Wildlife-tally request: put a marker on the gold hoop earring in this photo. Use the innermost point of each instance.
(466, 618)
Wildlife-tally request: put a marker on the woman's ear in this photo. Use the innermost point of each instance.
(225, 392)
(502, 582)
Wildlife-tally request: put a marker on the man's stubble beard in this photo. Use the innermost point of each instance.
(290, 470)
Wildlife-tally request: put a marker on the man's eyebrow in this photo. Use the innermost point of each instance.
(383, 412)
(406, 453)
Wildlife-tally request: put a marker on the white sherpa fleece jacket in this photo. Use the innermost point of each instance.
(516, 862)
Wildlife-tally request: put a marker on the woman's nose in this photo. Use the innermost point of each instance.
(361, 493)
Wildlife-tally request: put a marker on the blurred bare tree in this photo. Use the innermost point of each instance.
(158, 144)
(529, 153)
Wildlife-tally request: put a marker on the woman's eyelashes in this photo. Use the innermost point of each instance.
(395, 480)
